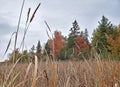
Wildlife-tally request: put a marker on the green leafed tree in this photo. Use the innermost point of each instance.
(99, 40)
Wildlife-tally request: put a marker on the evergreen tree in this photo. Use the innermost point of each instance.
(38, 48)
(71, 41)
(32, 50)
(86, 36)
(99, 40)
(81, 34)
(73, 34)
(47, 48)
(75, 29)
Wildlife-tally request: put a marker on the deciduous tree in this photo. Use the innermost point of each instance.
(56, 44)
(114, 42)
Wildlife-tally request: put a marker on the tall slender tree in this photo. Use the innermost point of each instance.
(38, 48)
(86, 36)
(74, 32)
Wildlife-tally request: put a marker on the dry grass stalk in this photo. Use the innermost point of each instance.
(25, 31)
(27, 72)
(11, 70)
(48, 34)
(65, 74)
(22, 83)
(67, 83)
(35, 12)
(28, 24)
(11, 83)
(16, 36)
(54, 74)
(1, 76)
(35, 72)
(9, 43)
(48, 26)
(46, 77)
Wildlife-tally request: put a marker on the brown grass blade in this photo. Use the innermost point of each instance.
(18, 26)
(48, 34)
(9, 43)
(35, 12)
(48, 26)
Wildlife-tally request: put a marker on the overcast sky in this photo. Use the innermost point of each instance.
(58, 13)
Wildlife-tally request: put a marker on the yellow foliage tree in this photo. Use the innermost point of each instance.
(114, 41)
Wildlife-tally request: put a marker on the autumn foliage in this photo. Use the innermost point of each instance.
(114, 41)
(80, 44)
(56, 44)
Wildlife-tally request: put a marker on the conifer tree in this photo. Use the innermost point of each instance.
(99, 40)
(74, 32)
(32, 50)
(38, 48)
(47, 47)
(86, 36)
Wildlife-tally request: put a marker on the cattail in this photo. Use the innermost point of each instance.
(28, 14)
(34, 12)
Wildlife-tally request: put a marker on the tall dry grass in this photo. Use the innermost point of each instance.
(84, 73)
(64, 74)
(12, 76)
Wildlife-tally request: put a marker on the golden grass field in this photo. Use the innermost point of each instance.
(62, 74)
(83, 73)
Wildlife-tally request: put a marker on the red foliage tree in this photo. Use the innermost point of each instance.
(80, 44)
(56, 44)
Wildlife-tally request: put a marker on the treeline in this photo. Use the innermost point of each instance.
(76, 46)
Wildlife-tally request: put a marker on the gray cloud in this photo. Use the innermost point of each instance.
(6, 29)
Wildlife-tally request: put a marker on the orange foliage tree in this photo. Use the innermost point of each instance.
(56, 44)
(80, 44)
(114, 41)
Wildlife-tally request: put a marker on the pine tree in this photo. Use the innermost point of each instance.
(38, 48)
(86, 36)
(75, 29)
(32, 50)
(71, 41)
(73, 34)
(47, 48)
(99, 40)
